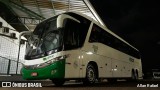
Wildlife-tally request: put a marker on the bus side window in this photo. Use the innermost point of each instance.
(95, 35)
(71, 34)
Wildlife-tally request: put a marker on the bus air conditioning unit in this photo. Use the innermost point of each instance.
(5, 30)
(13, 35)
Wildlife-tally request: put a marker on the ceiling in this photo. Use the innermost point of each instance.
(31, 12)
(49, 8)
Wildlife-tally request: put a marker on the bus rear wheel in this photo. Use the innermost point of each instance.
(91, 75)
(58, 82)
(134, 76)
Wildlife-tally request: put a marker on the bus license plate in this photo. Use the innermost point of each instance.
(34, 74)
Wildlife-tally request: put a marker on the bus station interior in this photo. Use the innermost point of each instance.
(135, 21)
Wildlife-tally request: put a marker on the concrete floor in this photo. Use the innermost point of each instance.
(120, 85)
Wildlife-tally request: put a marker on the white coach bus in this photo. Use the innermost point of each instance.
(72, 46)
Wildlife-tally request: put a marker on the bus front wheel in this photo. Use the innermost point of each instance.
(91, 75)
(58, 82)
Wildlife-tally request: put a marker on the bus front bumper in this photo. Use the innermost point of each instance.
(55, 70)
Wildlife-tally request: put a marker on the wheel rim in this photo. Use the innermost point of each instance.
(91, 75)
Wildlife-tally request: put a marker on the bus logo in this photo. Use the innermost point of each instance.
(95, 48)
(6, 84)
(44, 59)
(131, 59)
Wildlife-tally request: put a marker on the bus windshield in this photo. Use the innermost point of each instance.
(48, 39)
(44, 41)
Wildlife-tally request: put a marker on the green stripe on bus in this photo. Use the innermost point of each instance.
(55, 70)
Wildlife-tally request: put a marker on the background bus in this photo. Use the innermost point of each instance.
(72, 46)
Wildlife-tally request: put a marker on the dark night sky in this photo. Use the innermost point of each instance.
(138, 22)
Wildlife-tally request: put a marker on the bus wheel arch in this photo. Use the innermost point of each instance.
(96, 67)
(91, 73)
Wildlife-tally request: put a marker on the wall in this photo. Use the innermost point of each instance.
(9, 50)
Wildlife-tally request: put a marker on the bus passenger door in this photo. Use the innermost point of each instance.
(71, 48)
(72, 64)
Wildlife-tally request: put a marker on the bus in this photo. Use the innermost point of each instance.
(73, 46)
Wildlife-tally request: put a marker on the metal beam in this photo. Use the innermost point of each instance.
(23, 9)
(21, 3)
(27, 11)
(93, 11)
(27, 20)
(53, 8)
(38, 7)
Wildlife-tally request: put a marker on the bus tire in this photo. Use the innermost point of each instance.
(58, 82)
(91, 75)
(137, 75)
(134, 76)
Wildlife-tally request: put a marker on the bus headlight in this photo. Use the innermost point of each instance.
(39, 65)
(62, 57)
(42, 65)
(52, 61)
(46, 63)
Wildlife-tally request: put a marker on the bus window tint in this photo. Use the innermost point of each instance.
(83, 27)
(71, 34)
(102, 36)
(95, 35)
